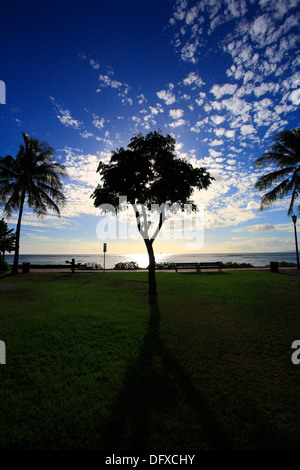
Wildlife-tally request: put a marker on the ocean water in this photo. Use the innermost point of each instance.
(256, 259)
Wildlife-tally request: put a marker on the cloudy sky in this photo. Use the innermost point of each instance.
(221, 76)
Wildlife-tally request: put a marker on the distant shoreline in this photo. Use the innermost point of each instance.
(59, 261)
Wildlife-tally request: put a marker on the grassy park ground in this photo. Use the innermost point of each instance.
(92, 364)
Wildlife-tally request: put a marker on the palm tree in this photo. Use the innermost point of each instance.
(32, 177)
(285, 154)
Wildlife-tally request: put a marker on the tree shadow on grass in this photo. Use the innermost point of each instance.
(128, 426)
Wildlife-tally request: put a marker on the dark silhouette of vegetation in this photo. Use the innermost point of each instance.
(149, 173)
(33, 178)
(231, 264)
(285, 155)
(7, 239)
(4, 266)
(165, 265)
(286, 264)
(127, 265)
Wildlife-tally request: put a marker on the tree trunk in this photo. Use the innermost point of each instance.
(18, 231)
(4, 247)
(151, 269)
(143, 229)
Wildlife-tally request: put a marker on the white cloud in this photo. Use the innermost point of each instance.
(217, 119)
(64, 116)
(191, 15)
(216, 142)
(260, 26)
(237, 107)
(256, 228)
(176, 113)
(95, 65)
(153, 110)
(193, 79)
(167, 96)
(188, 52)
(227, 89)
(213, 153)
(86, 134)
(141, 98)
(230, 133)
(198, 125)
(219, 131)
(247, 129)
(105, 80)
(266, 88)
(180, 122)
(98, 123)
(295, 97)
(199, 101)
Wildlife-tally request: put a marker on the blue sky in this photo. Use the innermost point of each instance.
(222, 76)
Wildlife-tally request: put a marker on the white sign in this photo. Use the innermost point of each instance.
(2, 353)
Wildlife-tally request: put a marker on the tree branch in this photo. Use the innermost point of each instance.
(162, 218)
(143, 232)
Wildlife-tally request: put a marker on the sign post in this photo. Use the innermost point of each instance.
(104, 251)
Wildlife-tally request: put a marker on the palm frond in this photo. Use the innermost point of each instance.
(266, 181)
(35, 173)
(285, 155)
(276, 193)
(284, 152)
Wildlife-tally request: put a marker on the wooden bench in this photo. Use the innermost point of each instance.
(199, 266)
(212, 265)
(186, 266)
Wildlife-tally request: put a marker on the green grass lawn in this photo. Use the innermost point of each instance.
(91, 364)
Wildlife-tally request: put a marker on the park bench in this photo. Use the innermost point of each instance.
(212, 265)
(199, 266)
(186, 266)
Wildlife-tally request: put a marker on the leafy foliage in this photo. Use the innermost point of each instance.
(165, 265)
(33, 178)
(285, 155)
(34, 174)
(231, 264)
(149, 173)
(7, 238)
(4, 266)
(128, 265)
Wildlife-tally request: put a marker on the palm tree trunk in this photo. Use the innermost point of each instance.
(151, 268)
(18, 231)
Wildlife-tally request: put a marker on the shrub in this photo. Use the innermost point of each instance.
(165, 265)
(129, 265)
(230, 264)
(4, 266)
(91, 266)
(286, 264)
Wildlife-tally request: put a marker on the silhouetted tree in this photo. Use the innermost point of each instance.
(7, 239)
(285, 155)
(33, 178)
(149, 173)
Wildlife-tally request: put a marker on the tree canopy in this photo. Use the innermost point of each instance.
(149, 173)
(33, 178)
(284, 154)
(7, 239)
